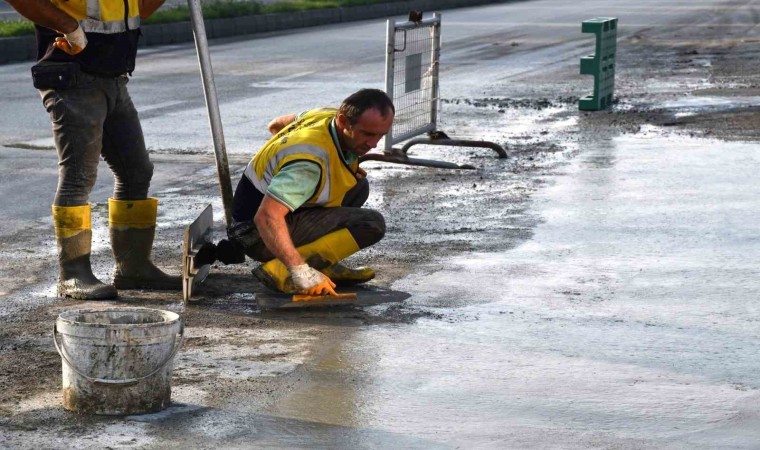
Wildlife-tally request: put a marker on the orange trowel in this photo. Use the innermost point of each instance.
(348, 296)
(278, 301)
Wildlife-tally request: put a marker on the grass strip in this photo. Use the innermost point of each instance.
(212, 10)
(9, 28)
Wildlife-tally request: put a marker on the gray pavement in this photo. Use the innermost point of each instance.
(8, 13)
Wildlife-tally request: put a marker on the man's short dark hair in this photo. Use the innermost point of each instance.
(358, 102)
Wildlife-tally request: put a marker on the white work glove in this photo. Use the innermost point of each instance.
(72, 43)
(310, 281)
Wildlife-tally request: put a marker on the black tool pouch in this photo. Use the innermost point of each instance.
(55, 75)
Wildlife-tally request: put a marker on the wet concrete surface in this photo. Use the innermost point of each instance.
(634, 298)
(595, 290)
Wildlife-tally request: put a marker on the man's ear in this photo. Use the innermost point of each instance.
(342, 121)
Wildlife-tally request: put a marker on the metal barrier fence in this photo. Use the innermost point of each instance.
(411, 77)
(413, 51)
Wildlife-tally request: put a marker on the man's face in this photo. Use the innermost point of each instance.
(364, 135)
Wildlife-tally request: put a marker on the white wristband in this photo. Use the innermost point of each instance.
(77, 38)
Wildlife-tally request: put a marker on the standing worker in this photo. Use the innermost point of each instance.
(86, 49)
(297, 208)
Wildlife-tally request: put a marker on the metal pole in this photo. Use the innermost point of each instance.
(215, 119)
(390, 47)
(436, 56)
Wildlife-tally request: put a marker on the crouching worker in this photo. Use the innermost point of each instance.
(297, 208)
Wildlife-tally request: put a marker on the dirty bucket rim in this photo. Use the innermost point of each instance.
(170, 317)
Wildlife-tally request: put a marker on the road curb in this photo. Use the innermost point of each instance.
(24, 48)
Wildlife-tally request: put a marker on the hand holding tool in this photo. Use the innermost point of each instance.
(311, 281)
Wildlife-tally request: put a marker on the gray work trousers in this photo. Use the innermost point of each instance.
(93, 119)
(367, 226)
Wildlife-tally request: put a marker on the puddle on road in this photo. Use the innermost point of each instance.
(689, 106)
(629, 319)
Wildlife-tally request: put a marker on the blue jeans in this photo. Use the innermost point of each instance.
(93, 119)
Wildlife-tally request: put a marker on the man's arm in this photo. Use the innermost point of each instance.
(148, 7)
(43, 13)
(270, 221)
(281, 122)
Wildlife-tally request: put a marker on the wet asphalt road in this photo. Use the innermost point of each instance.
(8, 13)
(597, 290)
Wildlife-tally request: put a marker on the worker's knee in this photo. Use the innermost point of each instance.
(377, 225)
(75, 182)
(369, 230)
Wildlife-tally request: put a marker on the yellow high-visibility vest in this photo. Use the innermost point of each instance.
(102, 16)
(308, 138)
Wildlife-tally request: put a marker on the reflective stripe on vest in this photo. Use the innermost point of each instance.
(306, 139)
(101, 16)
(291, 154)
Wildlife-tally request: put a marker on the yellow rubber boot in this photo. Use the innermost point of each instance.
(133, 227)
(320, 254)
(73, 236)
(346, 276)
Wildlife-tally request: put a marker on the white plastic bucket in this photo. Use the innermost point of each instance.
(117, 361)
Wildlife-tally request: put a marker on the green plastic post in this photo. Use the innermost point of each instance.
(601, 64)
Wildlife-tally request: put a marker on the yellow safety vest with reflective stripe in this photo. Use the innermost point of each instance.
(308, 138)
(112, 28)
(102, 16)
